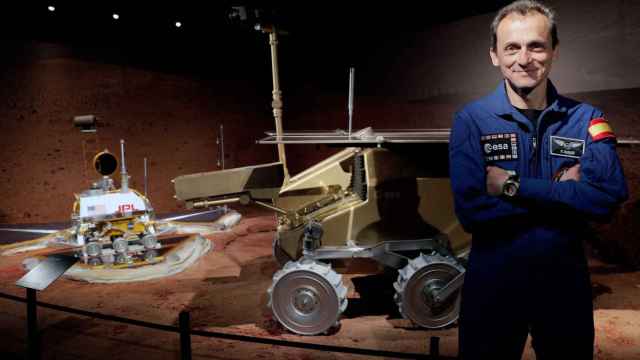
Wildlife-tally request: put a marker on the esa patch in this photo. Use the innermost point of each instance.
(599, 129)
(499, 146)
(568, 147)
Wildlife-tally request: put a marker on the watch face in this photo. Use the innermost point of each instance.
(510, 188)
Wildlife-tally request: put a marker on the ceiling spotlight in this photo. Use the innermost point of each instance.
(51, 8)
(178, 24)
(115, 16)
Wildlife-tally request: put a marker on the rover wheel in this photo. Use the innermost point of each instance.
(149, 241)
(307, 297)
(93, 249)
(415, 288)
(121, 259)
(150, 255)
(120, 245)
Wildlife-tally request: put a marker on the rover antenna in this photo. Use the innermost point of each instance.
(351, 78)
(220, 143)
(124, 183)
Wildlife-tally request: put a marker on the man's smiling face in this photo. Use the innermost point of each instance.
(524, 51)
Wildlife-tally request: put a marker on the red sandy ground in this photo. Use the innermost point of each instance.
(226, 291)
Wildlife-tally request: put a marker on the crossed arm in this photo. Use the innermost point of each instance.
(595, 186)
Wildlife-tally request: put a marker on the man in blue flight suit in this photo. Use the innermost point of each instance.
(528, 169)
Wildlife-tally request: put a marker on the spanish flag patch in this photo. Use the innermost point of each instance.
(599, 129)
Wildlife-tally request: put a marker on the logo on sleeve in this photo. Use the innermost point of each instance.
(568, 147)
(599, 129)
(499, 146)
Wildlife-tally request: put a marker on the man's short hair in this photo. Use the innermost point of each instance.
(524, 7)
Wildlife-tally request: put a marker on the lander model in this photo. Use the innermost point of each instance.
(114, 233)
(113, 226)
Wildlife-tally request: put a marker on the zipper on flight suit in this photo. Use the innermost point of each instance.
(533, 167)
(536, 165)
(537, 156)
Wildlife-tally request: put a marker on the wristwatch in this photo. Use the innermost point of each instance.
(511, 185)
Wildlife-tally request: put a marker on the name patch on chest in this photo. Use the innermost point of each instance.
(568, 147)
(499, 146)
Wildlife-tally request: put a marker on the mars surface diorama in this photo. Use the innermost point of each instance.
(361, 248)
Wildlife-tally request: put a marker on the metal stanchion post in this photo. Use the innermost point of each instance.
(185, 335)
(434, 347)
(33, 340)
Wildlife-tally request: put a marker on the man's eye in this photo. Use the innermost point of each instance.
(511, 49)
(537, 47)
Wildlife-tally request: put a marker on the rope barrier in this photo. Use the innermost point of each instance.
(235, 337)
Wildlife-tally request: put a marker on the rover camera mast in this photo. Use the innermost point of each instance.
(276, 104)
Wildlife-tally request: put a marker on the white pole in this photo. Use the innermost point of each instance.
(124, 183)
(351, 78)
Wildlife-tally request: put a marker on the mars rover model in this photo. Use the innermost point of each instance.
(113, 226)
(376, 199)
(385, 197)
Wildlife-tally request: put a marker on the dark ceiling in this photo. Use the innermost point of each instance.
(323, 37)
(204, 19)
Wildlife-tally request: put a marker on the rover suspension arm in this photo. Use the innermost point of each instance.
(243, 199)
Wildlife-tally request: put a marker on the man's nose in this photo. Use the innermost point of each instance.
(524, 57)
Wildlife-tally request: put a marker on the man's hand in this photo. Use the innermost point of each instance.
(495, 179)
(572, 173)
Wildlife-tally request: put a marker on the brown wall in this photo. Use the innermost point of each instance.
(598, 50)
(173, 120)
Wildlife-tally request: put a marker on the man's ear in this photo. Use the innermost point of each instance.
(494, 57)
(556, 52)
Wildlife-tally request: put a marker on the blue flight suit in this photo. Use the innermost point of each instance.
(527, 272)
